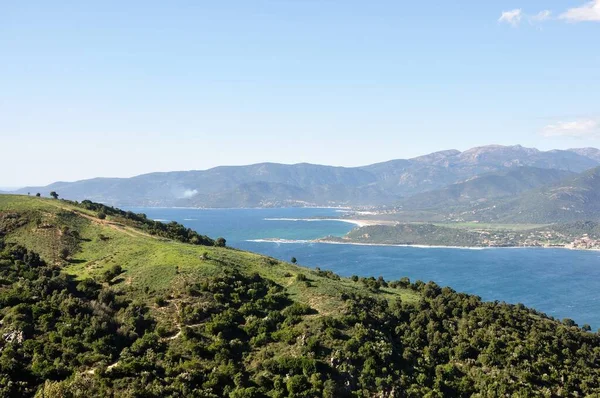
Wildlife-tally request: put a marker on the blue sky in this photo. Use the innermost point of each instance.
(122, 88)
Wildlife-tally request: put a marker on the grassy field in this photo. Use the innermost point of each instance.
(156, 265)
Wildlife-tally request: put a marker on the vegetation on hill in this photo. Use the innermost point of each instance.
(411, 234)
(482, 188)
(177, 319)
(172, 230)
(504, 198)
(573, 199)
(582, 234)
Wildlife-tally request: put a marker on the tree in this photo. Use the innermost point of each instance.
(38, 194)
(64, 253)
(160, 301)
(101, 215)
(54, 194)
(220, 242)
(111, 273)
(293, 260)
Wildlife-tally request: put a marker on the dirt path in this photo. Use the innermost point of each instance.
(175, 336)
(128, 231)
(180, 326)
(116, 226)
(109, 367)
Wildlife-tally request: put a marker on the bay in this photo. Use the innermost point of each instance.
(562, 283)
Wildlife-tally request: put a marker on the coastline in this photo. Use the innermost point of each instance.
(334, 242)
(357, 222)
(341, 208)
(362, 222)
(564, 247)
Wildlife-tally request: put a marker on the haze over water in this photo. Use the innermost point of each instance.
(562, 283)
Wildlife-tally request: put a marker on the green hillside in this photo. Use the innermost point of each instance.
(580, 235)
(573, 199)
(99, 302)
(484, 187)
(150, 262)
(412, 234)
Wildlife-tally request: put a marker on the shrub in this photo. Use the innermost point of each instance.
(111, 273)
(64, 253)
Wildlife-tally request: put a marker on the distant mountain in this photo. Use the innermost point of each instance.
(259, 185)
(271, 184)
(425, 173)
(592, 153)
(574, 199)
(482, 188)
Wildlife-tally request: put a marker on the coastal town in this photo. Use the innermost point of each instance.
(537, 238)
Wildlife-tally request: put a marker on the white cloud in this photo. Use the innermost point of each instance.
(188, 193)
(511, 17)
(587, 12)
(575, 129)
(542, 16)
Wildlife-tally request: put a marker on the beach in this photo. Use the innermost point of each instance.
(357, 222)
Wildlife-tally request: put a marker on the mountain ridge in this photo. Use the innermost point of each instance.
(576, 198)
(273, 184)
(484, 187)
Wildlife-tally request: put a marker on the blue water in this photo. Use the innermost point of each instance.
(562, 283)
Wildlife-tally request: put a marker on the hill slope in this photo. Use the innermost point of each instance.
(591, 153)
(270, 184)
(487, 186)
(118, 305)
(573, 199)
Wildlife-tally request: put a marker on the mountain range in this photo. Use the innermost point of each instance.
(576, 198)
(271, 184)
(480, 189)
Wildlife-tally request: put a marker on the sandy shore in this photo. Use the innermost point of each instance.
(333, 242)
(336, 242)
(361, 223)
(357, 222)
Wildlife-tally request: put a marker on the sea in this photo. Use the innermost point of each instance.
(559, 282)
